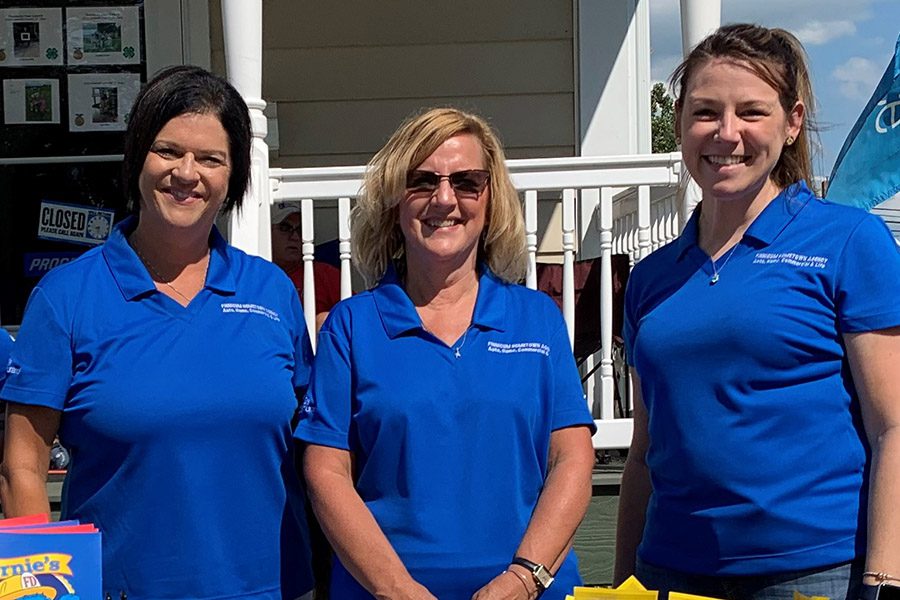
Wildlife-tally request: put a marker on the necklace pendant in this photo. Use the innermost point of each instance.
(714, 279)
(456, 352)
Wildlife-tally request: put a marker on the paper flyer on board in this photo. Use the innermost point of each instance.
(101, 101)
(103, 35)
(31, 37)
(30, 101)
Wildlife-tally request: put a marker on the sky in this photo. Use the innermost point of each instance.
(849, 43)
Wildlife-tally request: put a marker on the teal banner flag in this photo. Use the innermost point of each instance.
(867, 170)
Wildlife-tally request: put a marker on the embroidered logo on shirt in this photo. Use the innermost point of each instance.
(308, 407)
(518, 347)
(251, 309)
(790, 258)
(12, 369)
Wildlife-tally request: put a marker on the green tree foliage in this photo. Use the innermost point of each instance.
(662, 119)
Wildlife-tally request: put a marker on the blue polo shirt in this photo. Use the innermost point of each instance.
(178, 420)
(757, 455)
(451, 451)
(6, 344)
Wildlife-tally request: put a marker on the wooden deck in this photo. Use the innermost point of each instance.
(595, 539)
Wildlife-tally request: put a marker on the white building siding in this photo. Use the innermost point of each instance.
(344, 74)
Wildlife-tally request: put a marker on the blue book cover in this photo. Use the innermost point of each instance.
(55, 561)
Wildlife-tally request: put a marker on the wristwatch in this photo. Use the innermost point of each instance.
(539, 572)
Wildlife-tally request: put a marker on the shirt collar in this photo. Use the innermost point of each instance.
(132, 277)
(399, 316)
(689, 235)
(775, 217)
(766, 227)
(220, 276)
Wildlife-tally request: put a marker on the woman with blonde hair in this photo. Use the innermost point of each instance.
(448, 442)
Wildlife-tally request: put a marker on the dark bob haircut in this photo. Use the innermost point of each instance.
(185, 90)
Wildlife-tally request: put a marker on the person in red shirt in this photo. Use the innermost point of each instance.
(287, 253)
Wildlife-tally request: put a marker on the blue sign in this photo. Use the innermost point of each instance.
(867, 170)
(36, 264)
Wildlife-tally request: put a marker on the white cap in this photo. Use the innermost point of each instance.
(282, 210)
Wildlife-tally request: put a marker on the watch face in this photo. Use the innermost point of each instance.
(544, 576)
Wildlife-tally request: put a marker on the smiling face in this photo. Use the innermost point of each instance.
(441, 226)
(733, 130)
(184, 180)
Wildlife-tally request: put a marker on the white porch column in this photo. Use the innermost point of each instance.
(613, 92)
(242, 26)
(699, 18)
(613, 77)
(613, 119)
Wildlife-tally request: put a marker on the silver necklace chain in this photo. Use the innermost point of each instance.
(157, 276)
(715, 276)
(456, 349)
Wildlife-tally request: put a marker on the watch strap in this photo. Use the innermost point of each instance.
(868, 592)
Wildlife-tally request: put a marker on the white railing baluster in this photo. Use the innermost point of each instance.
(615, 236)
(606, 305)
(307, 237)
(643, 214)
(344, 245)
(531, 238)
(568, 244)
(631, 221)
(670, 220)
(676, 218)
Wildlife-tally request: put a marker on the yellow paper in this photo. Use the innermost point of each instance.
(799, 596)
(631, 589)
(586, 593)
(681, 596)
(632, 585)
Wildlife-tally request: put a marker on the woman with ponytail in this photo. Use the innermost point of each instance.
(763, 342)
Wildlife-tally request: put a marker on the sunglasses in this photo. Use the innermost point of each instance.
(464, 183)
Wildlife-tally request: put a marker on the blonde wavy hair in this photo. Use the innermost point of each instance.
(375, 230)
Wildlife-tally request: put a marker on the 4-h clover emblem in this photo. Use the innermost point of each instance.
(52, 53)
(128, 52)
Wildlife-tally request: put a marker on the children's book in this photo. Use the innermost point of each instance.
(40, 560)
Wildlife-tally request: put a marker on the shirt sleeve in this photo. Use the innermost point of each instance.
(867, 285)
(326, 412)
(40, 365)
(5, 348)
(629, 323)
(570, 405)
(303, 354)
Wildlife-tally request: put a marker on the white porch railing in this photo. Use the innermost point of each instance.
(626, 203)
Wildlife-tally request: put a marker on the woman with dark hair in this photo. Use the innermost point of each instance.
(170, 363)
(448, 441)
(763, 343)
